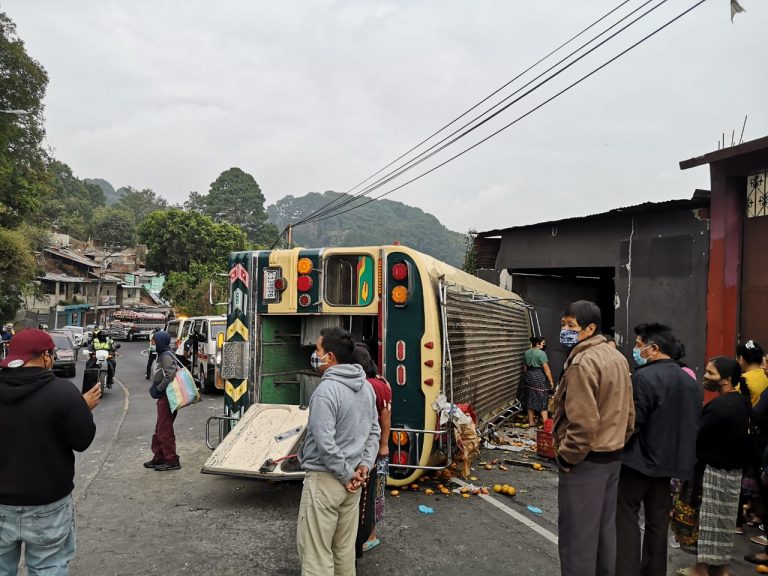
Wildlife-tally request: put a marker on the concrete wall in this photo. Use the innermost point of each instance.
(659, 260)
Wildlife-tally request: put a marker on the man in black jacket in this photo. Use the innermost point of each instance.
(667, 412)
(42, 420)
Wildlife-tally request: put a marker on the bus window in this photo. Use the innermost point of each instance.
(349, 280)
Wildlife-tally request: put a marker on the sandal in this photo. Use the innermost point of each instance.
(759, 540)
(370, 544)
(753, 559)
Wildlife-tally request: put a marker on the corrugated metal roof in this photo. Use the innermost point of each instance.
(700, 200)
(74, 256)
(53, 277)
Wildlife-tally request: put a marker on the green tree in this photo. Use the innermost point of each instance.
(176, 239)
(140, 203)
(188, 290)
(470, 252)
(23, 176)
(113, 226)
(17, 268)
(70, 206)
(236, 198)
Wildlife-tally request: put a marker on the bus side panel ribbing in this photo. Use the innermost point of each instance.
(488, 340)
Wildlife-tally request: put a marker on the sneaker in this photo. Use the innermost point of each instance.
(165, 466)
(152, 463)
(109, 385)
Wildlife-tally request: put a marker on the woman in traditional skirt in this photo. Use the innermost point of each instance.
(722, 451)
(538, 380)
(372, 496)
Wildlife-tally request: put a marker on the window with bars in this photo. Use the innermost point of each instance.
(757, 195)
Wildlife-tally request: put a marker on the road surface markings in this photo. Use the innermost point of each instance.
(515, 514)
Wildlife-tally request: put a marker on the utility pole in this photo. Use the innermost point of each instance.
(103, 270)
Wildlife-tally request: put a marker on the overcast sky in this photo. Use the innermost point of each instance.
(314, 96)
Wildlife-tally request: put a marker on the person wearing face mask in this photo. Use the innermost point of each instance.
(667, 412)
(537, 380)
(722, 451)
(43, 419)
(340, 447)
(594, 415)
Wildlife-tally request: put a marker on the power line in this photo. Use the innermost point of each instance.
(324, 208)
(424, 155)
(531, 111)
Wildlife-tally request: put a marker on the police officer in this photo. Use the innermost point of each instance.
(101, 341)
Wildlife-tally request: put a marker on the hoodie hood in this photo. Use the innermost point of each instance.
(351, 375)
(18, 383)
(162, 341)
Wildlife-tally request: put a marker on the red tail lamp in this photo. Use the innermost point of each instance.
(304, 300)
(399, 457)
(399, 271)
(280, 284)
(304, 283)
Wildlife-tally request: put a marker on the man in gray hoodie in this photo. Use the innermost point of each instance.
(340, 447)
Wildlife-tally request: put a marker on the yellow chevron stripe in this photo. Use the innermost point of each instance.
(236, 393)
(237, 327)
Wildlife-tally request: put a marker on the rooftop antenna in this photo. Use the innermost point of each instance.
(741, 138)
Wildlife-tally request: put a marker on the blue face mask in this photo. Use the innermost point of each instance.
(639, 360)
(569, 338)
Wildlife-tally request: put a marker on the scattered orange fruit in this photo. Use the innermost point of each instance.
(429, 492)
(537, 466)
(762, 569)
(497, 488)
(395, 493)
(465, 495)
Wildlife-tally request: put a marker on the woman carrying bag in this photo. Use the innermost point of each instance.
(164, 439)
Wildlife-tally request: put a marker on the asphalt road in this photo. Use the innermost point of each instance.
(134, 521)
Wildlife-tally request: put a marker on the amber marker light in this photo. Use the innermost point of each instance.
(304, 266)
(399, 294)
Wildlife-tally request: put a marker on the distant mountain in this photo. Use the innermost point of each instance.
(378, 222)
(109, 190)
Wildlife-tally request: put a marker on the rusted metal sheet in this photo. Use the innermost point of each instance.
(487, 342)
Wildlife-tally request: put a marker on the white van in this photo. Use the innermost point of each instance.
(203, 364)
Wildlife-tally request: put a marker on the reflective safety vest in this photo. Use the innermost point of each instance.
(105, 345)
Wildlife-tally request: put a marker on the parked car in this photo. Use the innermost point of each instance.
(64, 356)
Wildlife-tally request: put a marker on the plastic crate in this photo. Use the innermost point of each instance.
(545, 444)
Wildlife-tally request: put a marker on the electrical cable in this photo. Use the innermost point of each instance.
(516, 120)
(491, 95)
(435, 148)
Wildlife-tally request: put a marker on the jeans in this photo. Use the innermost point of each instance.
(48, 532)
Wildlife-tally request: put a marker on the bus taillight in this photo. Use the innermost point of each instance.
(399, 271)
(399, 438)
(399, 457)
(304, 283)
(304, 266)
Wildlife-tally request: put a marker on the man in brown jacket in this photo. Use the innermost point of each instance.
(594, 416)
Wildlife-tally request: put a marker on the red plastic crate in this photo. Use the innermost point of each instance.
(545, 444)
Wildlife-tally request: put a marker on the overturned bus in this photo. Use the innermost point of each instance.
(433, 330)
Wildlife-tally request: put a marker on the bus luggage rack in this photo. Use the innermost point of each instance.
(415, 437)
(225, 424)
